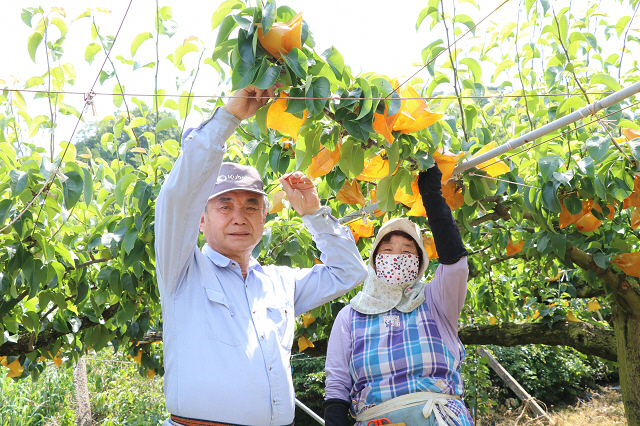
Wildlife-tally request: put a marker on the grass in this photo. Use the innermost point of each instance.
(119, 396)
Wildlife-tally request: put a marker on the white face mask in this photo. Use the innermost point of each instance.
(397, 268)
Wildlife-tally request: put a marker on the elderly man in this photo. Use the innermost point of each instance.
(228, 321)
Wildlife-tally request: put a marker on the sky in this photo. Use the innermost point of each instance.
(372, 35)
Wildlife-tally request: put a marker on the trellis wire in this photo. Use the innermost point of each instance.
(335, 98)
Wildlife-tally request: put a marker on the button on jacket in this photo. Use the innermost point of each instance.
(227, 340)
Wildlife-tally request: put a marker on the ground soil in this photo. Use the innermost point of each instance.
(600, 408)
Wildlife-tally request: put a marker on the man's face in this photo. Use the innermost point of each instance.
(233, 222)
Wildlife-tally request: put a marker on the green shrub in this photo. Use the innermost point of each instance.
(308, 381)
(551, 374)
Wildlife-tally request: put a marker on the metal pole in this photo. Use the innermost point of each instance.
(357, 214)
(310, 412)
(548, 128)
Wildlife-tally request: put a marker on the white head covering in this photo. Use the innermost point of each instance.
(377, 295)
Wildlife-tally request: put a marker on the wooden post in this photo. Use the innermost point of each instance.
(83, 405)
(515, 386)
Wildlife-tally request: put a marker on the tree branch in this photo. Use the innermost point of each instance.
(47, 337)
(586, 338)
(618, 284)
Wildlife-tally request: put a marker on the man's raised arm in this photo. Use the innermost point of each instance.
(185, 192)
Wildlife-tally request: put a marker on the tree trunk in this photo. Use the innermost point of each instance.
(83, 405)
(627, 328)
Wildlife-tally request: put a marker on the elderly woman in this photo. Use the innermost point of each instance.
(394, 352)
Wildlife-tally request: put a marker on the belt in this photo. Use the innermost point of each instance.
(186, 421)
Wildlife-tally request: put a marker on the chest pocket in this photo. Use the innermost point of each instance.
(220, 313)
(283, 320)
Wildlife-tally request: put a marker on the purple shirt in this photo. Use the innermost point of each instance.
(445, 296)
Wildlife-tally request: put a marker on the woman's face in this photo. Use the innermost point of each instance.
(398, 245)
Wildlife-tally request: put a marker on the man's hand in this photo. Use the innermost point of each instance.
(301, 193)
(246, 102)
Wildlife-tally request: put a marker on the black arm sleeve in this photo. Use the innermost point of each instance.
(445, 231)
(335, 412)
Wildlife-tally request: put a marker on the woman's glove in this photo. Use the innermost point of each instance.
(335, 412)
(445, 232)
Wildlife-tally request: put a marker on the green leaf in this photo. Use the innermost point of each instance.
(385, 90)
(474, 67)
(62, 26)
(367, 103)
(547, 166)
(553, 75)
(466, 20)
(68, 110)
(129, 240)
(602, 260)
(320, 88)
(19, 181)
(550, 197)
(598, 146)
(34, 81)
(427, 11)
(82, 292)
(91, 51)
(267, 75)
(34, 126)
(277, 160)
(185, 103)
(508, 63)
(351, 158)
(297, 61)
(634, 146)
(182, 50)
(223, 10)
(243, 74)
(172, 147)
(88, 187)
(72, 189)
(393, 154)
(335, 61)
(121, 187)
(228, 24)
(166, 123)
(559, 244)
(28, 13)
(607, 80)
(385, 193)
(573, 205)
(624, 123)
(261, 118)
(269, 15)
(307, 146)
(5, 209)
(138, 40)
(32, 44)
(137, 122)
(117, 95)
